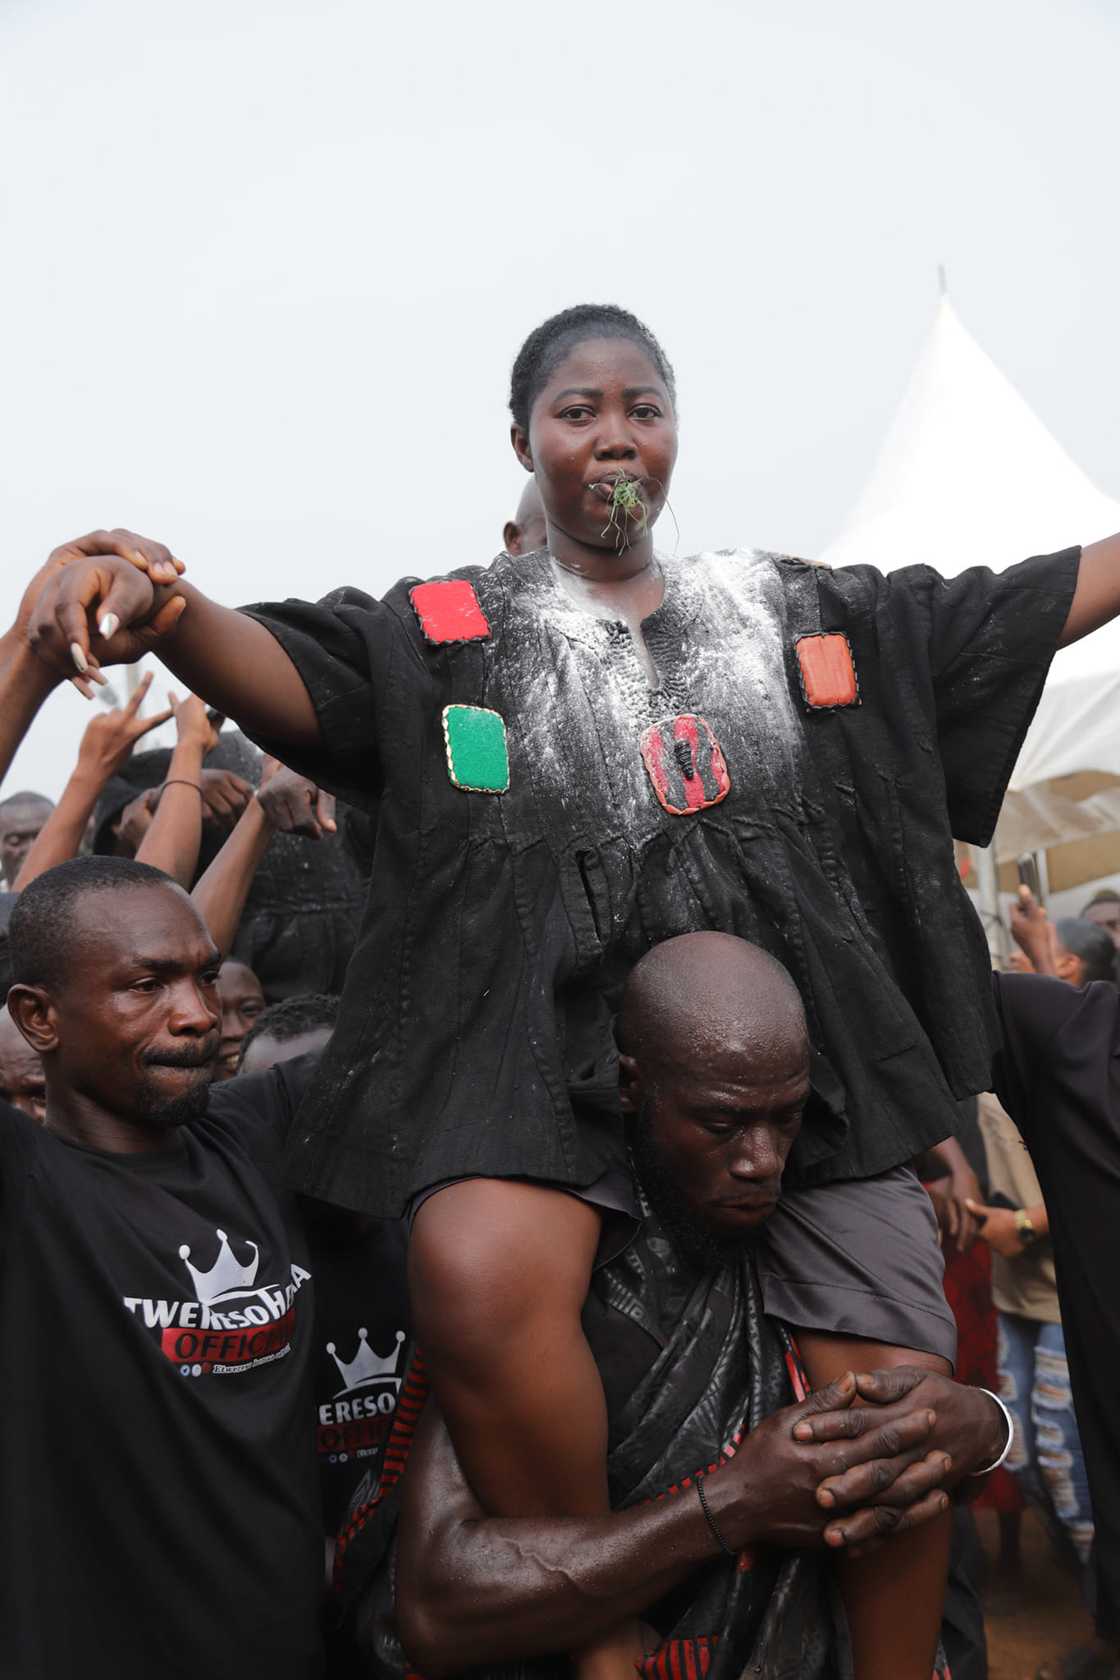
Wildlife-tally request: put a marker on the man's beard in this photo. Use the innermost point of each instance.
(687, 1232)
(163, 1113)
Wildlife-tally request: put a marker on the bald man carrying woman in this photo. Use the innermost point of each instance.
(715, 1457)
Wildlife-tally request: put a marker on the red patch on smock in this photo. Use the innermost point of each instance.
(685, 763)
(828, 671)
(449, 612)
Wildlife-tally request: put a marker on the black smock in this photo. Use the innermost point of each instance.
(476, 1028)
(1058, 1076)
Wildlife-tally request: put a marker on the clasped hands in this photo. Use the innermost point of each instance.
(867, 1457)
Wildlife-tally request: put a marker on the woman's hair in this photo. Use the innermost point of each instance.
(548, 344)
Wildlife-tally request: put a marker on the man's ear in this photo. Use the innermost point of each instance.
(1068, 968)
(511, 538)
(629, 1085)
(33, 1013)
(520, 442)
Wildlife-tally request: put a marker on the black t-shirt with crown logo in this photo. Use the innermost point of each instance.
(362, 1343)
(159, 1505)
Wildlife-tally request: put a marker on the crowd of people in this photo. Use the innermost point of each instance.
(483, 1135)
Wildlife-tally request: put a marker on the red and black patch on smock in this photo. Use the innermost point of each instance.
(827, 670)
(685, 763)
(449, 612)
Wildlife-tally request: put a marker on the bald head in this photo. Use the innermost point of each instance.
(22, 817)
(714, 1074)
(705, 994)
(526, 531)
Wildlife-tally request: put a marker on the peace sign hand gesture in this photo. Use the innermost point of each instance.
(110, 737)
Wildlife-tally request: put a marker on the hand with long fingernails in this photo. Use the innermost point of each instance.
(105, 598)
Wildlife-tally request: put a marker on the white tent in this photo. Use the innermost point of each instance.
(969, 476)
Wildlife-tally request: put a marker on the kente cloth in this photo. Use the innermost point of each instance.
(476, 1026)
(690, 1366)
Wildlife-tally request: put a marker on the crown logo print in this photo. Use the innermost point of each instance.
(366, 1366)
(226, 1277)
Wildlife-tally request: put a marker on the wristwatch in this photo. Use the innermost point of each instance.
(1025, 1227)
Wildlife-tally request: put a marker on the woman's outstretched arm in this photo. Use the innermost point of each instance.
(1096, 599)
(100, 606)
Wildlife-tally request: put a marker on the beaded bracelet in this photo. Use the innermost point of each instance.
(711, 1521)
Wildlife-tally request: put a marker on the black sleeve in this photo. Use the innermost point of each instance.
(1032, 1009)
(989, 638)
(18, 1138)
(260, 1107)
(342, 647)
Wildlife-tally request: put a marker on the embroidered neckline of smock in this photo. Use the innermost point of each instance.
(664, 631)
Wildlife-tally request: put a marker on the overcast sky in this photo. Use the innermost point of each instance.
(265, 266)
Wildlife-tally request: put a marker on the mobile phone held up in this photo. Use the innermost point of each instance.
(1027, 866)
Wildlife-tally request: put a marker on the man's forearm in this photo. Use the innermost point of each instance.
(61, 836)
(951, 1156)
(172, 842)
(474, 1589)
(1040, 951)
(25, 683)
(1039, 1218)
(220, 895)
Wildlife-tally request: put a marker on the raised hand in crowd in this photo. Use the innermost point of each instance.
(107, 742)
(221, 893)
(225, 795)
(293, 805)
(175, 832)
(1034, 933)
(195, 729)
(136, 819)
(110, 737)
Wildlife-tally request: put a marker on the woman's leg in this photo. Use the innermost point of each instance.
(894, 1596)
(498, 1274)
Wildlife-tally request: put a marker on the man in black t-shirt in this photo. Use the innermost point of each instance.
(362, 1321)
(159, 1511)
